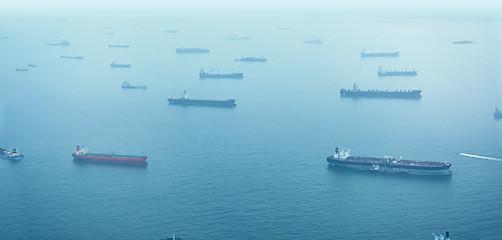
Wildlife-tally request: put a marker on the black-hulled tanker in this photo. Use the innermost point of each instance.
(201, 102)
(388, 164)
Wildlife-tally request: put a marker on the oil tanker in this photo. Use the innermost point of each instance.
(120, 65)
(379, 54)
(82, 155)
(388, 164)
(191, 50)
(201, 102)
(389, 72)
(355, 92)
(251, 59)
(203, 75)
(12, 154)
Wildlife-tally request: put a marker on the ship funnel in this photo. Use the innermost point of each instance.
(78, 148)
(185, 94)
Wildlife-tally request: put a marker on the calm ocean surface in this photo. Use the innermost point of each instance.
(258, 170)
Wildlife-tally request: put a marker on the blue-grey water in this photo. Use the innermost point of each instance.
(258, 170)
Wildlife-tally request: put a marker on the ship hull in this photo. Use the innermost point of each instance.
(11, 158)
(394, 54)
(192, 50)
(209, 103)
(414, 94)
(380, 165)
(384, 74)
(111, 158)
(231, 75)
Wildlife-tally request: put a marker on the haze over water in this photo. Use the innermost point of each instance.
(258, 170)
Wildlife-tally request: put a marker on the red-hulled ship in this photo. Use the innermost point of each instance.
(82, 155)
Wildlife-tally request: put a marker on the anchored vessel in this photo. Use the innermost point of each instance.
(60, 43)
(313, 41)
(191, 50)
(464, 42)
(203, 75)
(388, 164)
(379, 54)
(12, 154)
(497, 114)
(32, 65)
(21, 69)
(72, 57)
(83, 155)
(201, 102)
(237, 37)
(118, 65)
(170, 31)
(127, 85)
(355, 92)
(251, 59)
(118, 45)
(384, 72)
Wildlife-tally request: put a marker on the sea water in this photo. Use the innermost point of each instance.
(258, 170)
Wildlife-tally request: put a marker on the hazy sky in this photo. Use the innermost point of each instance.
(489, 5)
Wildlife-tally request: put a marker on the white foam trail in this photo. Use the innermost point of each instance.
(481, 157)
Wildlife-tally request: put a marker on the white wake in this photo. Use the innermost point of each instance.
(481, 157)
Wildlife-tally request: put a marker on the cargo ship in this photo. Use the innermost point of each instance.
(82, 155)
(72, 57)
(118, 65)
(313, 41)
(118, 45)
(12, 154)
(170, 31)
(203, 75)
(379, 54)
(464, 42)
(341, 158)
(497, 114)
(201, 102)
(60, 43)
(127, 85)
(32, 65)
(191, 50)
(355, 92)
(21, 69)
(251, 59)
(389, 72)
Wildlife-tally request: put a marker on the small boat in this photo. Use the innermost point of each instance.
(439, 236)
(497, 114)
(118, 65)
(12, 154)
(21, 69)
(173, 238)
(81, 154)
(118, 45)
(32, 65)
(127, 85)
(72, 57)
(63, 43)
